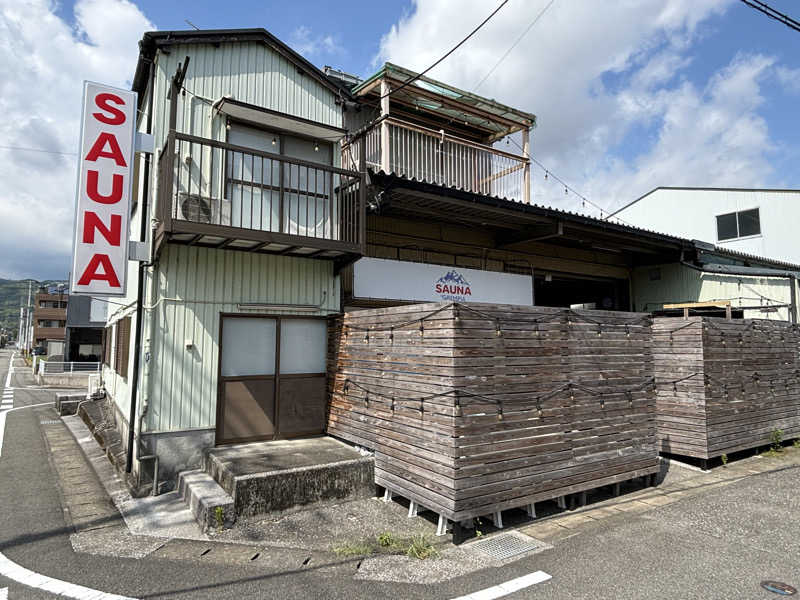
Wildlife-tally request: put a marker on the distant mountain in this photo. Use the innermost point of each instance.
(453, 277)
(13, 294)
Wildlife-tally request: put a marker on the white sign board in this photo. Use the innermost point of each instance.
(105, 187)
(400, 280)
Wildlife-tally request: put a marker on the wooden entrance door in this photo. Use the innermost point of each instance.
(272, 378)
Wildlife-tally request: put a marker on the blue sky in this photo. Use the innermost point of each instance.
(630, 96)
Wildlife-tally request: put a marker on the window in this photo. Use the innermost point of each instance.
(107, 335)
(738, 224)
(258, 187)
(121, 346)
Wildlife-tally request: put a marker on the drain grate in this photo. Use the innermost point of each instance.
(49, 422)
(506, 545)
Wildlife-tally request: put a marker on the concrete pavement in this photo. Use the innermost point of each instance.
(711, 538)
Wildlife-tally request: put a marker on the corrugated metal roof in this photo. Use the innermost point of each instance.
(594, 221)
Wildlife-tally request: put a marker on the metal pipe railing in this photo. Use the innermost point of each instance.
(216, 183)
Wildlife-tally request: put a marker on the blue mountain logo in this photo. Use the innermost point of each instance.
(453, 286)
(453, 277)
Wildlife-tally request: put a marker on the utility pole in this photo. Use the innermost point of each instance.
(29, 321)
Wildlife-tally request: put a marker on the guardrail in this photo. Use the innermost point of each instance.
(47, 367)
(214, 183)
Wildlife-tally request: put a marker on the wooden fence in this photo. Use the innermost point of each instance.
(740, 382)
(476, 408)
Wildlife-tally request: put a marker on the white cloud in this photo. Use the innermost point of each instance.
(306, 43)
(617, 113)
(44, 63)
(789, 79)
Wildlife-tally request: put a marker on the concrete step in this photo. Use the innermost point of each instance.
(285, 475)
(211, 506)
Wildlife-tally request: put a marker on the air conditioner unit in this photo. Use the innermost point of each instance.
(201, 209)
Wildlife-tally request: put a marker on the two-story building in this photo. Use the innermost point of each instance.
(250, 219)
(280, 195)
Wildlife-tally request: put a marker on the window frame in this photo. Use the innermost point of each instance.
(737, 214)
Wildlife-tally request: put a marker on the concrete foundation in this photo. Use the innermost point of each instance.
(67, 404)
(177, 451)
(66, 380)
(277, 476)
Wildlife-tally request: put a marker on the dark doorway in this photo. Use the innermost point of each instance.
(565, 291)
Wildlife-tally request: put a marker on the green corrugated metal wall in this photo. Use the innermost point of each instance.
(682, 284)
(182, 382)
(251, 73)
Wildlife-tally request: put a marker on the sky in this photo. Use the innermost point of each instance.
(629, 94)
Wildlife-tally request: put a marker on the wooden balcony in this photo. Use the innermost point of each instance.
(415, 152)
(220, 195)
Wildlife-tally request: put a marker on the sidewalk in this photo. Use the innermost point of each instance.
(680, 483)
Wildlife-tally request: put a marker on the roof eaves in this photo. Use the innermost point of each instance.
(152, 40)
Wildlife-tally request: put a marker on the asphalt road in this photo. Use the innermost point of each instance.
(718, 545)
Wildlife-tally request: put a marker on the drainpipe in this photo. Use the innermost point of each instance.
(145, 220)
(792, 276)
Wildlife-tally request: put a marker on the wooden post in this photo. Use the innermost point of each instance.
(385, 154)
(526, 151)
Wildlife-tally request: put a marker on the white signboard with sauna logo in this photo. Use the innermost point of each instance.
(105, 178)
(399, 280)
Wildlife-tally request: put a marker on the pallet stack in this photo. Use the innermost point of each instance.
(741, 384)
(473, 409)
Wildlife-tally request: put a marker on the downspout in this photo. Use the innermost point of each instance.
(145, 220)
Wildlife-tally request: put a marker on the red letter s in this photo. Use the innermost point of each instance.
(102, 100)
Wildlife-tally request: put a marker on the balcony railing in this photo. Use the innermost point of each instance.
(257, 200)
(436, 157)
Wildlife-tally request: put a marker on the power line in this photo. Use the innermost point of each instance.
(514, 45)
(773, 14)
(21, 148)
(453, 49)
(567, 188)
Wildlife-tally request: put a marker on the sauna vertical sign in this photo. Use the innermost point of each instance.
(105, 186)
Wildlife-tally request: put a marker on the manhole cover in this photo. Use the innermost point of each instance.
(776, 587)
(506, 545)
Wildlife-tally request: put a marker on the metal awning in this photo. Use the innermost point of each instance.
(279, 121)
(448, 102)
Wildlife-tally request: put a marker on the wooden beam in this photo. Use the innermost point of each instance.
(533, 234)
(385, 142)
(716, 303)
(526, 178)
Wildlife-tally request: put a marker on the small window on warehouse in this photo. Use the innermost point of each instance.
(745, 223)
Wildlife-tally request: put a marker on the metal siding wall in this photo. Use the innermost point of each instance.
(183, 383)
(682, 284)
(251, 73)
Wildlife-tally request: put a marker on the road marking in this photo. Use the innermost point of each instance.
(10, 369)
(12, 570)
(4, 594)
(509, 587)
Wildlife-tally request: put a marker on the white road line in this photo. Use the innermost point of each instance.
(10, 369)
(12, 570)
(509, 587)
(20, 574)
